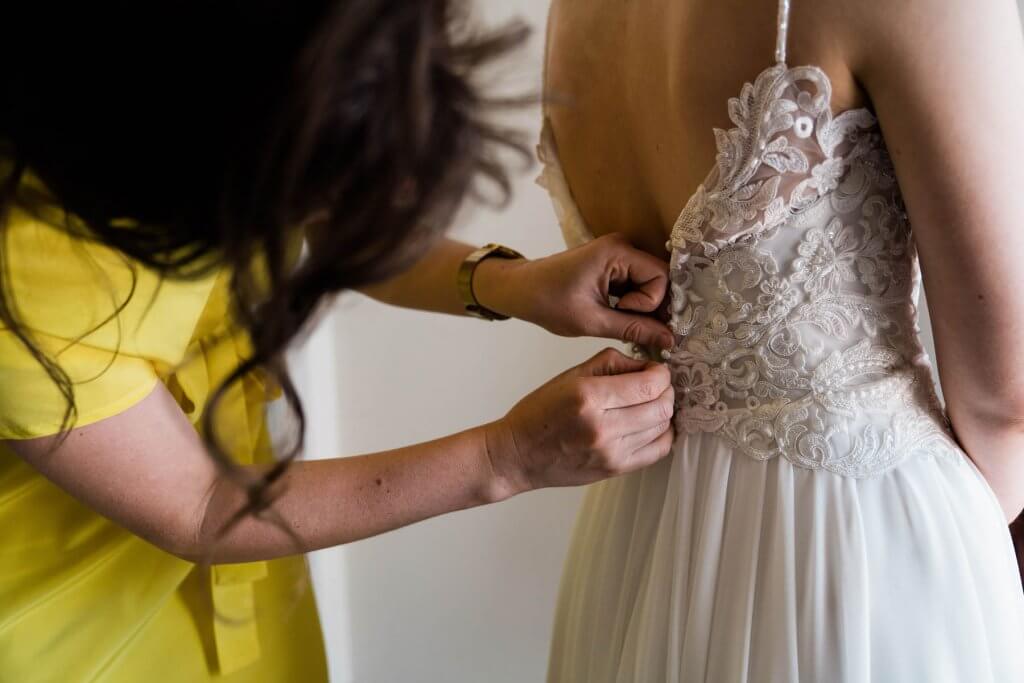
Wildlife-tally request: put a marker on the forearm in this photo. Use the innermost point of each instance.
(996, 445)
(430, 285)
(339, 500)
(568, 293)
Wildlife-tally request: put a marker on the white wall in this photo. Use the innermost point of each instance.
(467, 597)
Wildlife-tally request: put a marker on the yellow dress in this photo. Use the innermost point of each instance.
(82, 599)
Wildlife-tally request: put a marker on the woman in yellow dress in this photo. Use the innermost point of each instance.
(161, 166)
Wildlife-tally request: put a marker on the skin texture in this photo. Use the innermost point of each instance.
(566, 293)
(944, 78)
(634, 149)
(147, 470)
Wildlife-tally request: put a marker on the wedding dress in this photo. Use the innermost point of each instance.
(816, 520)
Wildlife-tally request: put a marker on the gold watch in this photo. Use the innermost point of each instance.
(465, 278)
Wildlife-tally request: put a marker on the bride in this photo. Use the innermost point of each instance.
(823, 516)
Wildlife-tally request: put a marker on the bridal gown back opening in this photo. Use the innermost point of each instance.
(816, 520)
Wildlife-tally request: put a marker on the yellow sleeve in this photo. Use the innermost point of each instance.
(104, 383)
(64, 287)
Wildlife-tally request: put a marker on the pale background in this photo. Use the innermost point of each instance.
(467, 597)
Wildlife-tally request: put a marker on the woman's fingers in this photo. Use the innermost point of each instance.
(638, 278)
(604, 417)
(611, 362)
(636, 419)
(653, 451)
(629, 388)
(638, 440)
(636, 328)
(641, 282)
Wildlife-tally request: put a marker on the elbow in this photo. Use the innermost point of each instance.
(173, 539)
(191, 554)
(184, 540)
(188, 536)
(187, 544)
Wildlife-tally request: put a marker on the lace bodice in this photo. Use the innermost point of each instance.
(794, 284)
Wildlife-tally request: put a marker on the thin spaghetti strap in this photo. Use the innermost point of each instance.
(783, 29)
(544, 66)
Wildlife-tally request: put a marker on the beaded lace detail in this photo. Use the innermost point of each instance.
(794, 287)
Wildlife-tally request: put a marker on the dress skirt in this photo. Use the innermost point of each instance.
(714, 566)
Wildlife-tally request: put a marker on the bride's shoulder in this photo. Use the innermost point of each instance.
(872, 42)
(870, 35)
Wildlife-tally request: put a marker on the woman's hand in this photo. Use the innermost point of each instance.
(568, 293)
(608, 416)
(147, 470)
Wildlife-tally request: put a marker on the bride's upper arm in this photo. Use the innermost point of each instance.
(946, 78)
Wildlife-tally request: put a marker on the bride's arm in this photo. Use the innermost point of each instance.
(566, 293)
(947, 81)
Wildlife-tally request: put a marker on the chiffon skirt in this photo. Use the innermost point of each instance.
(712, 566)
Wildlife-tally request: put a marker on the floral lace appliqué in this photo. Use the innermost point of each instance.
(794, 289)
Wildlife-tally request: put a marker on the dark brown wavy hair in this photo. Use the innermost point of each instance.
(224, 130)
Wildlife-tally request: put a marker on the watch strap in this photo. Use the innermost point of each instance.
(465, 278)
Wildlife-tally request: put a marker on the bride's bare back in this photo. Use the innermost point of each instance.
(635, 88)
(794, 270)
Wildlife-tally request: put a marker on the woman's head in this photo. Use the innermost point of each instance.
(217, 131)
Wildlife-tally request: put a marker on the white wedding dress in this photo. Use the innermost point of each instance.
(816, 521)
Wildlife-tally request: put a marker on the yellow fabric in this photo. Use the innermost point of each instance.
(82, 599)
